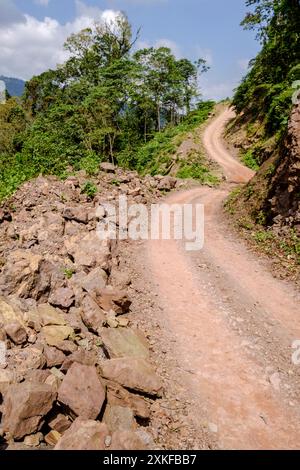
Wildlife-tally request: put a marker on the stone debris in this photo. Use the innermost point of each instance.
(76, 375)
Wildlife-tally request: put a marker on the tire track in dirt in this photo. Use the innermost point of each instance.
(228, 375)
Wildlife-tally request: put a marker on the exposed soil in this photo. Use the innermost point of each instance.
(221, 327)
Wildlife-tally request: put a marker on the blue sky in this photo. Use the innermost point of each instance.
(32, 33)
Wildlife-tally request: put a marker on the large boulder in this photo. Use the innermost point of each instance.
(82, 392)
(12, 321)
(133, 373)
(119, 396)
(48, 315)
(88, 251)
(29, 358)
(53, 356)
(127, 440)
(92, 315)
(79, 214)
(84, 435)
(62, 297)
(92, 282)
(113, 299)
(167, 183)
(107, 167)
(119, 418)
(6, 378)
(123, 342)
(20, 275)
(54, 335)
(25, 405)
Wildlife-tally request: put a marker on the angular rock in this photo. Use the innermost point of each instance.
(55, 335)
(52, 438)
(53, 356)
(25, 405)
(57, 373)
(119, 418)
(53, 381)
(119, 396)
(92, 315)
(113, 299)
(33, 440)
(84, 435)
(81, 356)
(79, 214)
(107, 167)
(11, 318)
(92, 282)
(48, 315)
(167, 183)
(37, 375)
(29, 358)
(123, 342)
(16, 332)
(67, 347)
(6, 378)
(60, 423)
(32, 320)
(82, 392)
(62, 297)
(127, 440)
(89, 251)
(133, 373)
(20, 274)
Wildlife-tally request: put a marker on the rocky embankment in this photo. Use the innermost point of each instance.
(285, 184)
(74, 372)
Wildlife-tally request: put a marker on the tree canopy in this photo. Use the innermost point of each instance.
(104, 102)
(268, 87)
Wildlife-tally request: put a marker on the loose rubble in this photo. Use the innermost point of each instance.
(76, 375)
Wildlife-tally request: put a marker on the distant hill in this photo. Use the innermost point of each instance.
(15, 86)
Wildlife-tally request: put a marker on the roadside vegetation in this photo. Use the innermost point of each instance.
(107, 102)
(266, 208)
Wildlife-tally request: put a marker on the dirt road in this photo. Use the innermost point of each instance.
(233, 323)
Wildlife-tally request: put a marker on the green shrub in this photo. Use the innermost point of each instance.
(249, 160)
(196, 171)
(90, 189)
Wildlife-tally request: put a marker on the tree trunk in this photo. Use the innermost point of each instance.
(145, 129)
(158, 118)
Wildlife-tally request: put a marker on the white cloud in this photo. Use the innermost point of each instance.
(31, 47)
(215, 91)
(171, 45)
(163, 42)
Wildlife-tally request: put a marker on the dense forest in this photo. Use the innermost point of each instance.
(105, 103)
(265, 95)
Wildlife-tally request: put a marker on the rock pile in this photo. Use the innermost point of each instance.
(75, 374)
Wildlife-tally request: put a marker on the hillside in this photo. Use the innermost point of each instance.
(150, 246)
(266, 134)
(14, 86)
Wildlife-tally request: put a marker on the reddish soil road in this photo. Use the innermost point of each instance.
(234, 323)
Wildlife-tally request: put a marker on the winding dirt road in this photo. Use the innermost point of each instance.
(233, 322)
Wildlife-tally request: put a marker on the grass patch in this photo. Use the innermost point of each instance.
(155, 157)
(197, 171)
(90, 189)
(249, 160)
